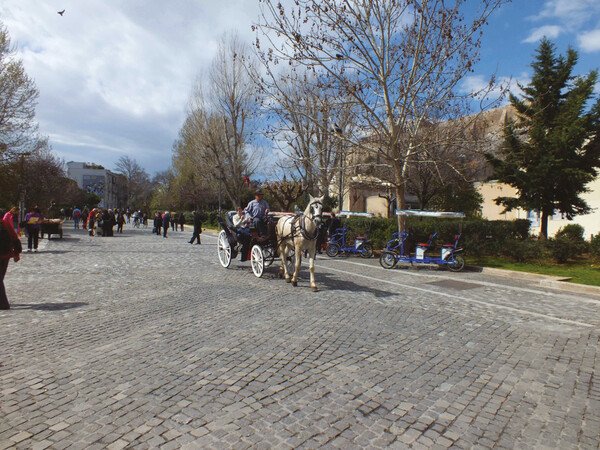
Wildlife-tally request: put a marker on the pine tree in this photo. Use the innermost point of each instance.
(552, 150)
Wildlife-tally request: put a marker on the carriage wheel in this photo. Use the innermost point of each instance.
(269, 256)
(367, 251)
(224, 249)
(387, 260)
(456, 264)
(290, 262)
(332, 250)
(257, 260)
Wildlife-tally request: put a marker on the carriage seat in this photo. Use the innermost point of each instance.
(428, 244)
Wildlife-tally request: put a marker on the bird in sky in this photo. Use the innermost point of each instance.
(61, 12)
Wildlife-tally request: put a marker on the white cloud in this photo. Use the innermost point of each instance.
(573, 12)
(549, 31)
(590, 41)
(115, 76)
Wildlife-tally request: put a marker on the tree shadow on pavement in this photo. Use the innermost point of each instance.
(48, 306)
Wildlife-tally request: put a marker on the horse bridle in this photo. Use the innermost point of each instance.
(303, 231)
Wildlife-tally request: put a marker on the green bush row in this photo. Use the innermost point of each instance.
(478, 236)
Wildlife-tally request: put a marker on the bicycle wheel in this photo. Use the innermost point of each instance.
(387, 260)
(456, 264)
(332, 250)
(367, 251)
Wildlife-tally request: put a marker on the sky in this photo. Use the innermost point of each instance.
(114, 75)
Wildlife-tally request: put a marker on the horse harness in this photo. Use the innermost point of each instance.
(300, 222)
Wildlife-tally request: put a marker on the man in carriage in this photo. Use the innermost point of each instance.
(257, 211)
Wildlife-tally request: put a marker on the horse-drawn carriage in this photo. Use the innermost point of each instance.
(262, 250)
(287, 236)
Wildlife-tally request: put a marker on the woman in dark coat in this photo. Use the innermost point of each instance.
(181, 221)
(157, 223)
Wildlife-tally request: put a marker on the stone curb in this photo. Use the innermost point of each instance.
(548, 281)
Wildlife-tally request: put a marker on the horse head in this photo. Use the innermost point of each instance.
(314, 210)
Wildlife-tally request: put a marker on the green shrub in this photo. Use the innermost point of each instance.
(595, 247)
(568, 243)
(572, 231)
(523, 250)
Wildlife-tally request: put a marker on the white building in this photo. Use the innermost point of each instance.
(97, 180)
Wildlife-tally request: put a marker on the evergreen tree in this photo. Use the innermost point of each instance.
(552, 150)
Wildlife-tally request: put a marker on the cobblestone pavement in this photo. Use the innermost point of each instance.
(148, 342)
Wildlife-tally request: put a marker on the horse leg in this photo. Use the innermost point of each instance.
(311, 266)
(297, 267)
(283, 253)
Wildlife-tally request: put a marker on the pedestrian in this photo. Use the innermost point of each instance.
(76, 217)
(13, 218)
(181, 221)
(174, 222)
(10, 247)
(85, 213)
(334, 224)
(120, 221)
(197, 227)
(157, 223)
(165, 219)
(33, 220)
(92, 221)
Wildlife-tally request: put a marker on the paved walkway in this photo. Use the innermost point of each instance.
(148, 342)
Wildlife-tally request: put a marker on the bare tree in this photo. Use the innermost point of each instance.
(286, 192)
(219, 135)
(137, 180)
(304, 115)
(18, 97)
(401, 62)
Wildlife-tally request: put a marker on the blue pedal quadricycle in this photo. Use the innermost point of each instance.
(396, 252)
(338, 241)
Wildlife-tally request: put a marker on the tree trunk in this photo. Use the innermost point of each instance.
(543, 226)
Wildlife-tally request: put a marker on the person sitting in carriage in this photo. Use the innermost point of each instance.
(257, 211)
(242, 232)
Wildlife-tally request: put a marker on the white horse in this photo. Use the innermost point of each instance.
(300, 232)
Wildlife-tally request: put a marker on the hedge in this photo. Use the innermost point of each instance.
(479, 236)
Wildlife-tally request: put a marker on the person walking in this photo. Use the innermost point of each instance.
(10, 247)
(181, 221)
(166, 218)
(85, 213)
(76, 217)
(157, 223)
(33, 220)
(120, 221)
(173, 222)
(13, 218)
(197, 227)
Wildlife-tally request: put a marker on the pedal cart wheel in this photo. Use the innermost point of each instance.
(332, 250)
(367, 251)
(224, 249)
(387, 260)
(456, 263)
(257, 261)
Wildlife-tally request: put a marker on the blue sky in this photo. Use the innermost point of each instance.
(114, 75)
